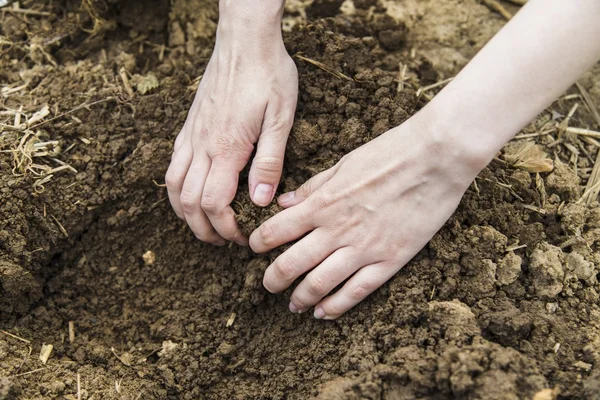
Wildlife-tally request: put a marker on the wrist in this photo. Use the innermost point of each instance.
(459, 151)
(250, 20)
(458, 138)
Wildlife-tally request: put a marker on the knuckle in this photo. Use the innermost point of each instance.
(210, 204)
(172, 179)
(188, 201)
(333, 310)
(267, 283)
(316, 285)
(299, 302)
(323, 200)
(235, 139)
(178, 141)
(205, 233)
(268, 164)
(203, 237)
(230, 233)
(268, 233)
(361, 290)
(285, 268)
(280, 124)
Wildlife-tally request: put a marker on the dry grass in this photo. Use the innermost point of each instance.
(99, 23)
(530, 157)
(436, 85)
(33, 153)
(324, 67)
(517, 2)
(496, 6)
(589, 103)
(15, 337)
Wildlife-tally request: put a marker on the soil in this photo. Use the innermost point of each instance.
(502, 304)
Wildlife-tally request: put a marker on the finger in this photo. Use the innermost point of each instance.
(176, 173)
(363, 283)
(282, 228)
(323, 279)
(219, 191)
(191, 194)
(296, 197)
(301, 257)
(267, 165)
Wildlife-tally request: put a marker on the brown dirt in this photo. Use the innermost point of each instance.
(473, 316)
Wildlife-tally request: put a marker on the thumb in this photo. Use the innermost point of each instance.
(290, 199)
(267, 165)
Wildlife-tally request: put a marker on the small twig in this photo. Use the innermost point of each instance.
(401, 77)
(71, 331)
(60, 226)
(125, 362)
(324, 67)
(80, 107)
(25, 11)
(513, 248)
(517, 2)
(433, 86)
(589, 103)
(534, 208)
(10, 128)
(78, 386)
(16, 337)
(564, 125)
(494, 5)
(571, 97)
(532, 135)
(583, 132)
(126, 84)
(29, 373)
(596, 186)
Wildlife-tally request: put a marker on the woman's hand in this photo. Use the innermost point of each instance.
(365, 218)
(247, 96)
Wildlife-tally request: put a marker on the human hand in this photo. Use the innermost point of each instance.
(366, 217)
(247, 96)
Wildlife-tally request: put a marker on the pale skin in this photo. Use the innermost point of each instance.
(364, 219)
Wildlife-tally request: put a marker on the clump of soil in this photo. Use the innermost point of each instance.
(503, 303)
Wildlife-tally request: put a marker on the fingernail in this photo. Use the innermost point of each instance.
(286, 197)
(293, 308)
(263, 194)
(319, 313)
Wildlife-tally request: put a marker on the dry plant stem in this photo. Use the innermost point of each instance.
(401, 77)
(517, 2)
(589, 103)
(565, 123)
(80, 107)
(15, 337)
(433, 86)
(126, 84)
(60, 226)
(71, 331)
(592, 189)
(583, 132)
(28, 12)
(28, 373)
(78, 386)
(324, 67)
(494, 5)
(125, 362)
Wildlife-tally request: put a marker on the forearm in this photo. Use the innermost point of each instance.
(525, 67)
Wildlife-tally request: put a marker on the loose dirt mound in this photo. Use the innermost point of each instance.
(503, 303)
